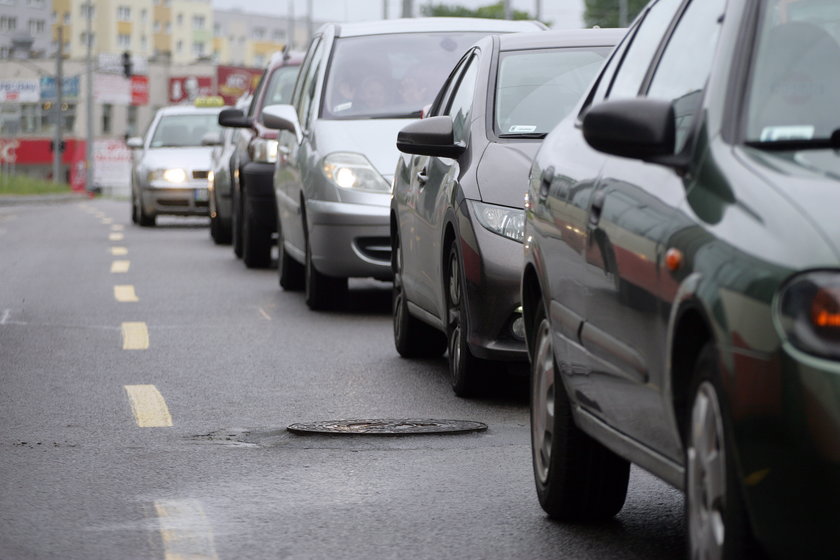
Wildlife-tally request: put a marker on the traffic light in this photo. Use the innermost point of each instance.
(61, 147)
(126, 64)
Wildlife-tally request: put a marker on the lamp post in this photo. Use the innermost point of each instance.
(59, 101)
(89, 100)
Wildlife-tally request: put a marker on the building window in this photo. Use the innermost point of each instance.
(124, 41)
(168, 27)
(123, 13)
(217, 29)
(36, 3)
(107, 118)
(66, 18)
(8, 23)
(198, 49)
(259, 60)
(83, 38)
(131, 121)
(179, 46)
(37, 26)
(156, 26)
(277, 36)
(180, 19)
(143, 15)
(84, 8)
(198, 22)
(259, 33)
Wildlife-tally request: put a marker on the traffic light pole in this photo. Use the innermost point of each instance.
(59, 101)
(89, 100)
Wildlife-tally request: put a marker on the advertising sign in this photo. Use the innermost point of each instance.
(20, 91)
(112, 165)
(69, 89)
(139, 90)
(234, 81)
(113, 89)
(187, 88)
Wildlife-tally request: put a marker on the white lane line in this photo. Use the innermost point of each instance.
(185, 530)
(148, 406)
(117, 227)
(125, 293)
(119, 251)
(116, 236)
(135, 336)
(265, 315)
(5, 316)
(107, 221)
(120, 267)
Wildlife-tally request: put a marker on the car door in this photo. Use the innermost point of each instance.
(632, 211)
(433, 180)
(293, 151)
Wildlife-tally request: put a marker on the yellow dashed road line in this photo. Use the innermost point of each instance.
(185, 531)
(148, 406)
(135, 336)
(119, 267)
(119, 251)
(116, 236)
(117, 227)
(125, 293)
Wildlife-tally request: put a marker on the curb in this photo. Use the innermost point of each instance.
(19, 200)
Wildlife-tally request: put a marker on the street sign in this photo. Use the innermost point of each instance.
(69, 89)
(20, 91)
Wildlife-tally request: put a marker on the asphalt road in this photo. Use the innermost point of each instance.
(146, 381)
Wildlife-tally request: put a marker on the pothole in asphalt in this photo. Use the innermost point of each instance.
(388, 427)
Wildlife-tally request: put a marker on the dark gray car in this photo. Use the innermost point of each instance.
(457, 209)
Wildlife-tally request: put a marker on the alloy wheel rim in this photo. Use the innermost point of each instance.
(398, 293)
(454, 291)
(542, 408)
(706, 477)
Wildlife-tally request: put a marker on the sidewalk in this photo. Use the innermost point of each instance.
(18, 200)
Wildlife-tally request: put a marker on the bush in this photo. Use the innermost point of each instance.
(23, 184)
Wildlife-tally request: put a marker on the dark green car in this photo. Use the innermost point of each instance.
(681, 286)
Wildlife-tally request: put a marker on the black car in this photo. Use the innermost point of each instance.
(681, 286)
(457, 209)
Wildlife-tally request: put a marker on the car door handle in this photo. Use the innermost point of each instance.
(596, 209)
(422, 177)
(545, 183)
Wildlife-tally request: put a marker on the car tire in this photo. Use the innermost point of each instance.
(256, 240)
(465, 370)
(291, 274)
(716, 515)
(577, 478)
(133, 208)
(141, 217)
(412, 337)
(218, 231)
(322, 292)
(236, 224)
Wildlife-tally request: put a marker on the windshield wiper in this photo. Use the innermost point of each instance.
(537, 135)
(410, 115)
(832, 142)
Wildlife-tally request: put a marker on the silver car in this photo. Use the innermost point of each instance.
(359, 85)
(171, 164)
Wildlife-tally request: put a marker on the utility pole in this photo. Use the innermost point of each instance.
(408, 8)
(508, 12)
(290, 25)
(622, 13)
(310, 26)
(537, 9)
(89, 100)
(384, 9)
(59, 100)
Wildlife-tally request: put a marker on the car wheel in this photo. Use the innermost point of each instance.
(412, 337)
(322, 292)
(290, 273)
(577, 478)
(236, 224)
(465, 370)
(133, 207)
(142, 218)
(718, 525)
(256, 240)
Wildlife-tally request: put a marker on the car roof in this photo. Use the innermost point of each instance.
(187, 110)
(561, 38)
(434, 24)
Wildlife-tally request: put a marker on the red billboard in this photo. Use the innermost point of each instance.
(187, 88)
(37, 151)
(236, 80)
(139, 90)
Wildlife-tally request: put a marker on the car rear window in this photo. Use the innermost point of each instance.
(390, 76)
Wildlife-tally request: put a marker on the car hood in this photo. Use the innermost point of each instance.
(503, 172)
(184, 158)
(810, 180)
(376, 139)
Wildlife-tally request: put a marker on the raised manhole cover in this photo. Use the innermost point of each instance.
(388, 427)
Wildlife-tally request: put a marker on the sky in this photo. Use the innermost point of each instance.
(562, 13)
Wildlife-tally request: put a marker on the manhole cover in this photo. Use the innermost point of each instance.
(388, 427)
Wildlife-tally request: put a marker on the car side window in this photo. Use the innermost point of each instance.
(696, 33)
(252, 109)
(306, 94)
(442, 100)
(460, 106)
(637, 58)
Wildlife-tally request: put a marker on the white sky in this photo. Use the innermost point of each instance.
(563, 13)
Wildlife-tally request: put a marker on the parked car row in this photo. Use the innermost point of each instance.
(645, 216)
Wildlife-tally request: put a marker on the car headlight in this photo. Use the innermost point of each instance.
(501, 220)
(808, 313)
(263, 150)
(354, 171)
(176, 176)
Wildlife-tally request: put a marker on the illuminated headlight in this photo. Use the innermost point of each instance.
(501, 220)
(354, 171)
(263, 150)
(175, 176)
(807, 313)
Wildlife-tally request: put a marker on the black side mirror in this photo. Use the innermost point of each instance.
(638, 128)
(234, 118)
(430, 137)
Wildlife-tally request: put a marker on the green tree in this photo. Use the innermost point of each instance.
(493, 11)
(604, 13)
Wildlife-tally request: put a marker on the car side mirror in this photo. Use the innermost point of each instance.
(638, 128)
(134, 142)
(281, 117)
(212, 139)
(234, 118)
(432, 136)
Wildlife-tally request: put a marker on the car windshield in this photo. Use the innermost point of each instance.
(280, 85)
(536, 89)
(176, 131)
(795, 82)
(390, 76)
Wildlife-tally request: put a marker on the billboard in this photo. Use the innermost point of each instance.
(20, 91)
(69, 88)
(139, 90)
(187, 88)
(234, 81)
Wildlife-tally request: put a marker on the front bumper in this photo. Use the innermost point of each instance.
(349, 240)
(190, 199)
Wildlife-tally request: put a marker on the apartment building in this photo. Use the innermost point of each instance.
(27, 23)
